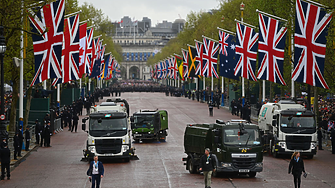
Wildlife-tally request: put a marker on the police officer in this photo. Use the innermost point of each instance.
(210, 107)
(320, 137)
(5, 162)
(75, 122)
(16, 145)
(27, 138)
(20, 136)
(47, 135)
(42, 131)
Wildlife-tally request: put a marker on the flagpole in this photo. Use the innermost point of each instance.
(291, 49)
(230, 32)
(45, 84)
(204, 87)
(263, 91)
(21, 74)
(58, 95)
(222, 91)
(273, 16)
(210, 39)
(69, 15)
(89, 85)
(243, 92)
(85, 21)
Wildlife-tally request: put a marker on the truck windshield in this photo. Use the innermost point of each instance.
(297, 121)
(144, 121)
(108, 124)
(231, 137)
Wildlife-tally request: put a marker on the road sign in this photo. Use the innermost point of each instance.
(2, 117)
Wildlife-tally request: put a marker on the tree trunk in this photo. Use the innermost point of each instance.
(27, 110)
(271, 95)
(316, 104)
(260, 96)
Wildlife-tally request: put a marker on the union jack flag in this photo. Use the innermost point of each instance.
(163, 70)
(246, 51)
(94, 53)
(102, 59)
(210, 57)
(171, 67)
(199, 59)
(48, 45)
(310, 44)
(70, 52)
(271, 45)
(174, 68)
(185, 62)
(167, 67)
(85, 49)
(96, 59)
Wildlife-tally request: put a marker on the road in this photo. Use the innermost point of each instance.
(159, 164)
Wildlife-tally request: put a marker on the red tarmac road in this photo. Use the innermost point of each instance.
(159, 164)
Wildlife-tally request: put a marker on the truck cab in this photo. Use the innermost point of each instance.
(236, 144)
(149, 125)
(108, 132)
(288, 127)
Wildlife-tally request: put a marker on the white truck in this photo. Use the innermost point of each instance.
(288, 127)
(108, 131)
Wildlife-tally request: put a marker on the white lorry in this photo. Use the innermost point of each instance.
(288, 127)
(108, 131)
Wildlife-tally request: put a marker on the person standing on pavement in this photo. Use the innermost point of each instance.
(320, 137)
(27, 138)
(207, 165)
(16, 145)
(5, 162)
(47, 135)
(75, 122)
(42, 134)
(20, 141)
(332, 137)
(37, 131)
(95, 172)
(296, 167)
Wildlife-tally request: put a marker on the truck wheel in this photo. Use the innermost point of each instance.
(191, 167)
(252, 174)
(136, 140)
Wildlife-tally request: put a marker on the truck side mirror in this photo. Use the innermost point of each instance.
(274, 117)
(83, 127)
(132, 125)
(99, 120)
(274, 123)
(131, 118)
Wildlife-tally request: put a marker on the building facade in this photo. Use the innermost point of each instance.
(140, 41)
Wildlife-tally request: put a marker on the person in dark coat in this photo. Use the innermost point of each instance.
(320, 137)
(210, 108)
(296, 167)
(5, 162)
(47, 135)
(16, 145)
(88, 106)
(42, 131)
(207, 165)
(332, 136)
(75, 122)
(37, 131)
(20, 135)
(96, 172)
(27, 138)
(232, 106)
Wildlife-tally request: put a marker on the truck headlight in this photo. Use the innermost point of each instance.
(226, 165)
(92, 141)
(125, 148)
(313, 145)
(91, 149)
(282, 144)
(149, 132)
(259, 165)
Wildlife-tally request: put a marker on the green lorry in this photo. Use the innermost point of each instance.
(149, 125)
(236, 144)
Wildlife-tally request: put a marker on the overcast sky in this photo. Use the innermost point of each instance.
(156, 10)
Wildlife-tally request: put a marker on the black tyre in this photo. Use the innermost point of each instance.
(191, 167)
(252, 174)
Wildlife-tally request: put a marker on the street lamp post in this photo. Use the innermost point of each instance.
(2, 53)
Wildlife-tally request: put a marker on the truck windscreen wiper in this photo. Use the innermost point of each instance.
(108, 134)
(299, 131)
(247, 140)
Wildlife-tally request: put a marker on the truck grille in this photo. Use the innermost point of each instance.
(244, 163)
(105, 146)
(298, 142)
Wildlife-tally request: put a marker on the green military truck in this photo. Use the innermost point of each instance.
(149, 125)
(236, 144)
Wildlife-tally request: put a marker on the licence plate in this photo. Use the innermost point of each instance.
(297, 150)
(109, 154)
(136, 135)
(243, 170)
